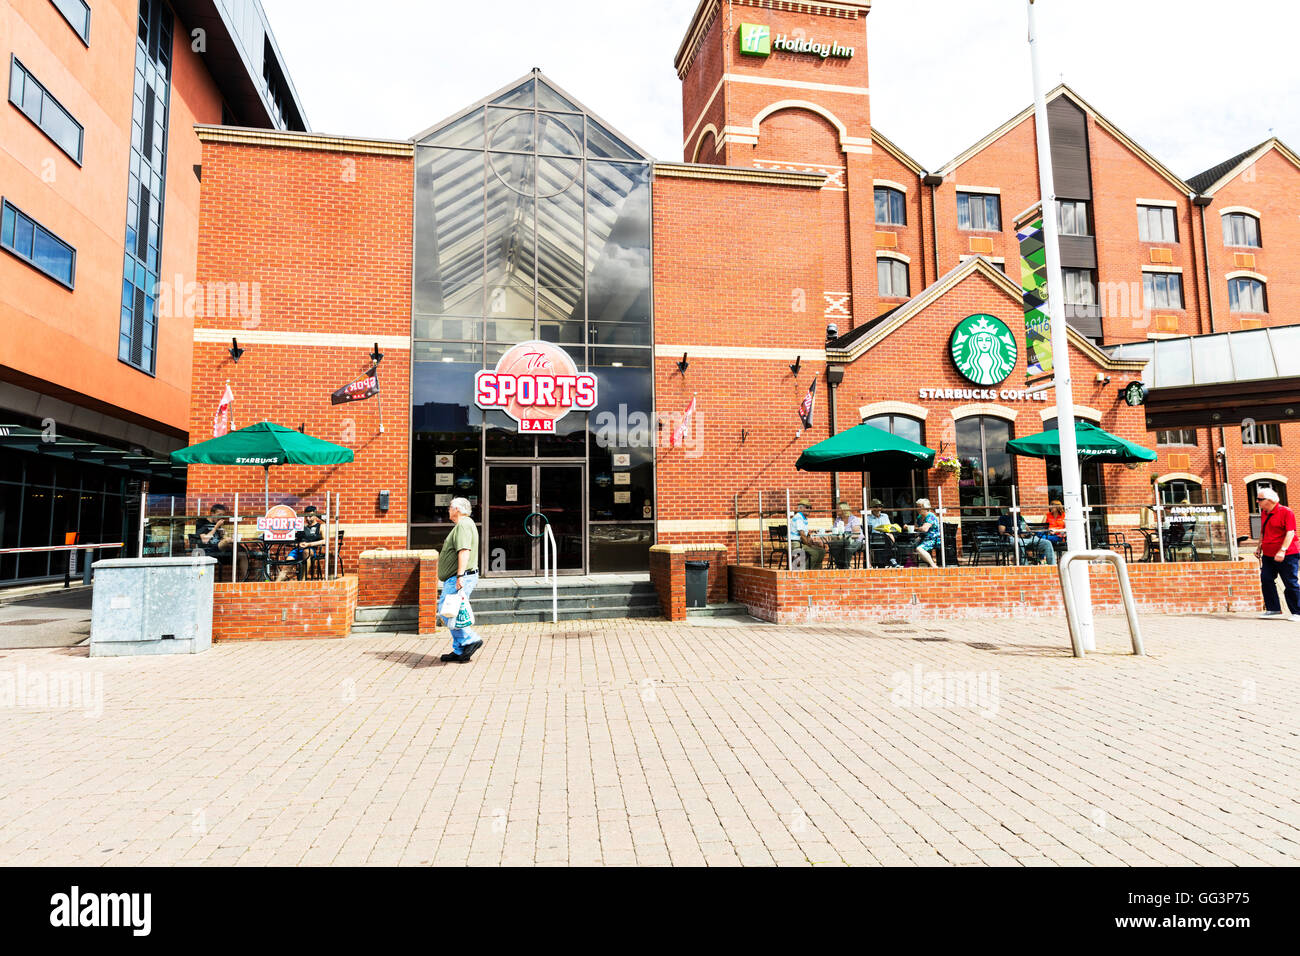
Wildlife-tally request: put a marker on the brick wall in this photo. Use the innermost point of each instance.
(389, 578)
(284, 610)
(798, 597)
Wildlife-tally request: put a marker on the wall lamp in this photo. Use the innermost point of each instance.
(376, 356)
(683, 365)
(744, 433)
(796, 364)
(234, 350)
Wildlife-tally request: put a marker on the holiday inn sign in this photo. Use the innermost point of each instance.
(757, 40)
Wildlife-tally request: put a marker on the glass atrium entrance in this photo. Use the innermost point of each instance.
(532, 223)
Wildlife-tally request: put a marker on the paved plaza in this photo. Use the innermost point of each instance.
(627, 742)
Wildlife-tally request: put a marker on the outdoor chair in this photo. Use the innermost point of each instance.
(1150, 552)
(1178, 537)
(989, 542)
(1118, 541)
(778, 556)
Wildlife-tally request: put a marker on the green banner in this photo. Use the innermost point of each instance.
(1033, 283)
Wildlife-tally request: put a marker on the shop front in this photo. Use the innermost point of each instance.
(532, 334)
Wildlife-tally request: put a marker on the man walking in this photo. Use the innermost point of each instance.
(1279, 553)
(458, 572)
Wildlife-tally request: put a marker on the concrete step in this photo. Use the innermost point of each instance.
(591, 614)
(512, 591)
(731, 609)
(564, 601)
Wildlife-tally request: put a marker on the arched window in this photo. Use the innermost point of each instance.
(891, 207)
(1246, 295)
(891, 278)
(988, 470)
(898, 487)
(1241, 229)
(1253, 488)
(1181, 491)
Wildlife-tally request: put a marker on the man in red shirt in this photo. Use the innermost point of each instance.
(1279, 553)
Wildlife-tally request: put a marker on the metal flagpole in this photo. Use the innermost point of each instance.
(1075, 526)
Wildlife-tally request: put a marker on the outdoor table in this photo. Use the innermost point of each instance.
(837, 547)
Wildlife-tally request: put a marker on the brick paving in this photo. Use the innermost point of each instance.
(619, 742)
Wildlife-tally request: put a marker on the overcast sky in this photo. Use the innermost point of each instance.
(1193, 81)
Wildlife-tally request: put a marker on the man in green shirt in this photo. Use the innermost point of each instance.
(458, 572)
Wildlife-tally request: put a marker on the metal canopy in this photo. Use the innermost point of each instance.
(1224, 379)
(33, 441)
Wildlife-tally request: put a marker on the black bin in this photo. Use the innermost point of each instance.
(697, 583)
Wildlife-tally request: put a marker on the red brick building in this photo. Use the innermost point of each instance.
(794, 244)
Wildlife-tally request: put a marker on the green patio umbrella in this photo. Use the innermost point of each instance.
(264, 444)
(1094, 443)
(862, 448)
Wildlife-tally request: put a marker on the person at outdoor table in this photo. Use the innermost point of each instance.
(931, 534)
(210, 531)
(812, 548)
(1279, 553)
(310, 540)
(1055, 523)
(849, 527)
(1029, 543)
(878, 521)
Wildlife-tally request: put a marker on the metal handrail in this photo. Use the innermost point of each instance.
(550, 560)
(1125, 590)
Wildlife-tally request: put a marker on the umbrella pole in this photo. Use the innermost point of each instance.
(266, 487)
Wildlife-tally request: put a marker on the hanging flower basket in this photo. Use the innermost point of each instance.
(948, 465)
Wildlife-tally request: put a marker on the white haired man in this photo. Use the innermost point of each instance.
(1278, 553)
(458, 572)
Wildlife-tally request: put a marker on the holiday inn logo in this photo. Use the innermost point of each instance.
(983, 349)
(756, 40)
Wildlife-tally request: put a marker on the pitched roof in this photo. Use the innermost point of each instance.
(1063, 90)
(1214, 178)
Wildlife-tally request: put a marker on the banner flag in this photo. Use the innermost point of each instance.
(1033, 284)
(363, 388)
(221, 421)
(806, 408)
(679, 433)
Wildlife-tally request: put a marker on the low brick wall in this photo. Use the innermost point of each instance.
(429, 586)
(283, 610)
(389, 578)
(798, 597)
(668, 574)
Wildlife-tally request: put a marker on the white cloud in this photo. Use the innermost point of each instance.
(1194, 82)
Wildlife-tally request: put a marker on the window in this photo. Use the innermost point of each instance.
(1241, 229)
(987, 468)
(1079, 287)
(1072, 217)
(45, 111)
(1156, 224)
(897, 486)
(1257, 433)
(904, 426)
(891, 277)
(37, 246)
(77, 13)
(1253, 489)
(1246, 295)
(979, 211)
(1176, 436)
(1181, 492)
(890, 208)
(1162, 290)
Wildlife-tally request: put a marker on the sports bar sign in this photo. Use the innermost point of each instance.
(536, 384)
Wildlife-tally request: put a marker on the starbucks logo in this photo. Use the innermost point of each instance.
(983, 349)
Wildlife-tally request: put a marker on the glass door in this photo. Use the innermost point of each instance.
(518, 491)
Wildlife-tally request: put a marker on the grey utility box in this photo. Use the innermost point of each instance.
(152, 606)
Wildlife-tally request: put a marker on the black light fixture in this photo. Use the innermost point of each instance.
(683, 365)
(796, 364)
(376, 356)
(234, 350)
(744, 433)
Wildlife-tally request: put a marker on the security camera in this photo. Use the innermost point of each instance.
(1221, 451)
(832, 331)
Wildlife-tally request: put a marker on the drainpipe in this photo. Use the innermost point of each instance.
(934, 182)
(834, 376)
(1201, 202)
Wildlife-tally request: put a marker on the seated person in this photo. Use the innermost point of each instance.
(849, 526)
(813, 551)
(884, 526)
(210, 532)
(931, 534)
(1055, 519)
(310, 541)
(1030, 544)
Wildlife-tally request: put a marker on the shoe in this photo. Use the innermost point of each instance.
(453, 658)
(1271, 614)
(471, 649)
(1295, 617)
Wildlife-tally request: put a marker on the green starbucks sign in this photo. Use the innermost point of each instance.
(983, 349)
